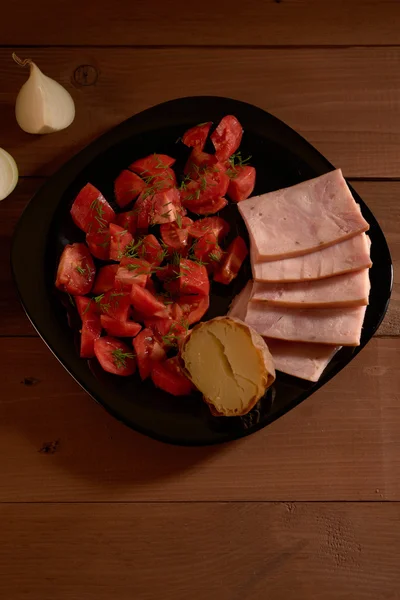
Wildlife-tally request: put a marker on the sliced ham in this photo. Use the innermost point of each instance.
(336, 326)
(344, 257)
(238, 308)
(306, 361)
(350, 289)
(303, 218)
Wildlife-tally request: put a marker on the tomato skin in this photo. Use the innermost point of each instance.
(91, 326)
(193, 307)
(232, 261)
(151, 250)
(216, 225)
(120, 238)
(169, 332)
(118, 328)
(144, 301)
(91, 211)
(242, 183)
(115, 304)
(76, 270)
(208, 251)
(198, 162)
(132, 270)
(193, 278)
(176, 235)
(99, 243)
(148, 352)
(105, 280)
(211, 207)
(168, 376)
(210, 186)
(127, 187)
(196, 136)
(156, 170)
(104, 348)
(128, 221)
(160, 207)
(227, 137)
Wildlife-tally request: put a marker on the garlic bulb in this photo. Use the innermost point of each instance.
(43, 105)
(8, 174)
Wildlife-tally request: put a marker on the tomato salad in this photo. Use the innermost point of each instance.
(136, 307)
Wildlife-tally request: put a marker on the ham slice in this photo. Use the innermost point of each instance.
(238, 308)
(350, 289)
(336, 326)
(344, 257)
(306, 361)
(303, 218)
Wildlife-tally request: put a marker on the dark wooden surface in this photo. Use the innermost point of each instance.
(310, 506)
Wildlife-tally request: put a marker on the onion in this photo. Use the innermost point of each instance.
(8, 174)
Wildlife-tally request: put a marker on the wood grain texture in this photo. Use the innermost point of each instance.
(290, 551)
(260, 22)
(56, 444)
(381, 197)
(345, 101)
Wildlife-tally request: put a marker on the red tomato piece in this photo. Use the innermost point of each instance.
(128, 221)
(144, 301)
(209, 186)
(208, 251)
(169, 333)
(196, 136)
(114, 356)
(99, 243)
(148, 352)
(76, 270)
(227, 137)
(119, 328)
(200, 161)
(192, 279)
(216, 225)
(150, 286)
(115, 304)
(105, 280)
(232, 261)
(193, 307)
(127, 187)
(133, 270)
(151, 251)
(168, 376)
(242, 183)
(176, 235)
(210, 208)
(91, 211)
(120, 239)
(91, 326)
(160, 207)
(156, 170)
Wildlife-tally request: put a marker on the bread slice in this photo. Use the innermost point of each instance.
(229, 363)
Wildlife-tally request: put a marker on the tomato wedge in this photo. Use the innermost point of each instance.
(156, 170)
(132, 270)
(196, 136)
(114, 356)
(176, 235)
(208, 251)
(200, 161)
(128, 221)
(105, 280)
(190, 278)
(216, 225)
(193, 307)
(91, 326)
(120, 239)
(242, 183)
(99, 243)
(119, 328)
(168, 376)
(127, 187)
(227, 137)
(114, 303)
(210, 186)
(232, 261)
(76, 270)
(144, 301)
(148, 352)
(210, 208)
(157, 208)
(151, 251)
(91, 211)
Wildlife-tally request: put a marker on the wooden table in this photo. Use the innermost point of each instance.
(307, 508)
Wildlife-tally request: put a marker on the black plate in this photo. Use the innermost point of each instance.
(281, 157)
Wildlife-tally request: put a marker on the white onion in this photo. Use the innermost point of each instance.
(8, 174)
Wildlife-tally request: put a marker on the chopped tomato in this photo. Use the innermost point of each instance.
(114, 303)
(157, 208)
(120, 238)
(114, 356)
(76, 270)
(208, 251)
(119, 328)
(193, 307)
(127, 187)
(156, 170)
(150, 250)
(105, 279)
(198, 162)
(242, 183)
(191, 278)
(91, 326)
(232, 261)
(144, 301)
(133, 270)
(150, 286)
(168, 376)
(196, 136)
(148, 352)
(209, 186)
(216, 225)
(227, 137)
(128, 221)
(99, 243)
(210, 208)
(170, 333)
(91, 211)
(176, 235)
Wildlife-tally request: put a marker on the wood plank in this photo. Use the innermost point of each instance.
(154, 23)
(57, 444)
(345, 101)
(382, 198)
(289, 551)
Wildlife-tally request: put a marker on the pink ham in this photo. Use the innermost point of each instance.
(303, 218)
(238, 308)
(336, 326)
(306, 361)
(345, 257)
(350, 289)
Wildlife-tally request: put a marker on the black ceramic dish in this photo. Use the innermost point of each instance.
(281, 157)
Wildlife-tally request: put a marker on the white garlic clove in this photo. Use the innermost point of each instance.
(43, 105)
(8, 174)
